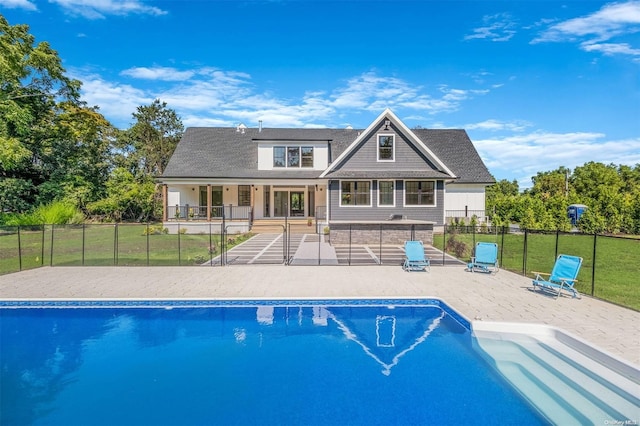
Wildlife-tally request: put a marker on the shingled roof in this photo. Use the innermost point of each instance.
(225, 152)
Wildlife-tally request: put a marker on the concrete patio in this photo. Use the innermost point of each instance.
(505, 297)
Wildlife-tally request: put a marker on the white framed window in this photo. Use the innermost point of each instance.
(419, 193)
(306, 152)
(279, 156)
(386, 148)
(386, 193)
(293, 156)
(355, 193)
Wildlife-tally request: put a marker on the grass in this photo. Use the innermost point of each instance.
(616, 260)
(103, 245)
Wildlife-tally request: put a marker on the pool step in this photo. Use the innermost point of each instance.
(564, 384)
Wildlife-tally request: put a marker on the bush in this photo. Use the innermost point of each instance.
(455, 246)
(56, 213)
(155, 230)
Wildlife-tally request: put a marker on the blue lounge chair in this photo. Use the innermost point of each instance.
(562, 277)
(415, 259)
(485, 259)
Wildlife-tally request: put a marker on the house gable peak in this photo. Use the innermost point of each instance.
(386, 121)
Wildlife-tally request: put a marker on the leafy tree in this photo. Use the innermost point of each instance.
(550, 184)
(128, 198)
(78, 160)
(32, 80)
(147, 146)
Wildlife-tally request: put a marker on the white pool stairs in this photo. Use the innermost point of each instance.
(567, 381)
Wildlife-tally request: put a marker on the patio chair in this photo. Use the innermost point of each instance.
(485, 258)
(562, 277)
(415, 259)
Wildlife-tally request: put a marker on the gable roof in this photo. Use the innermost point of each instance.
(441, 169)
(227, 153)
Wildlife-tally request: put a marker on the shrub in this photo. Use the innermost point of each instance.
(55, 213)
(155, 230)
(455, 246)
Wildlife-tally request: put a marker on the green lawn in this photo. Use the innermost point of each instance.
(616, 277)
(102, 245)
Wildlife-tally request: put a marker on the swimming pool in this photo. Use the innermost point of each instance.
(235, 362)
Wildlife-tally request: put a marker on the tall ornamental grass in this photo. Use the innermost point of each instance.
(56, 213)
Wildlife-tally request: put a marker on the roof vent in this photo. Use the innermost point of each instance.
(259, 125)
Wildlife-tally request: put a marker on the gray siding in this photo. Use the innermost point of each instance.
(365, 156)
(431, 214)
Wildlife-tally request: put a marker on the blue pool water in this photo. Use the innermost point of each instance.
(311, 363)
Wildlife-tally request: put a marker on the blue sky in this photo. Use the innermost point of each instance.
(536, 84)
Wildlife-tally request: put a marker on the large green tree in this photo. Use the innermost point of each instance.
(36, 101)
(147, 146)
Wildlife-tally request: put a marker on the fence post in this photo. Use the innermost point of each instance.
(557, 238)
(380, 247)
(179, 258)
(349, 244)
(42, 247)
(115, 245)
(210, 241)
(19, 251)
(502, 247)
(524, 253)
(51, 253)
(593, 265)
(319, 246)
(83, 242)
(444, 243)
(473, 233)
(147, 243)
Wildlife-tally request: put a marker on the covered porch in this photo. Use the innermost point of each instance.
(242, 202)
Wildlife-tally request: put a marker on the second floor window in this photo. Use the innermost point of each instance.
(292, 156)
(279, 156)
(385, 148)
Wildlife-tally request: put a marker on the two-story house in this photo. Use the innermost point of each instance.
(335, 175)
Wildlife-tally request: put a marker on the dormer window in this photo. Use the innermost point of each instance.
(386, 147)
(293, 156)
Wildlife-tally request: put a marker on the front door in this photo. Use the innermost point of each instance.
(296, 202)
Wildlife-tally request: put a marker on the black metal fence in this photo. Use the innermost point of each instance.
(610, 267)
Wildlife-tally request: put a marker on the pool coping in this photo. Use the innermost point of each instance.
(224, 302)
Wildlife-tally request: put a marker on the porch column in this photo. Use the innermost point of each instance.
(164, 203)
(209, 202)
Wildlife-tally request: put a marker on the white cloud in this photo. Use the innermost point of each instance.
(207, 95)
(543, 151)
(500, 27)
(611, 48)
(157, 73)
(497, 125)
(612, 20)
(18, 4)
(98, 9)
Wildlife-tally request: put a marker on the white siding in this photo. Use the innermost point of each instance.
(320, 154)
(460, 195)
